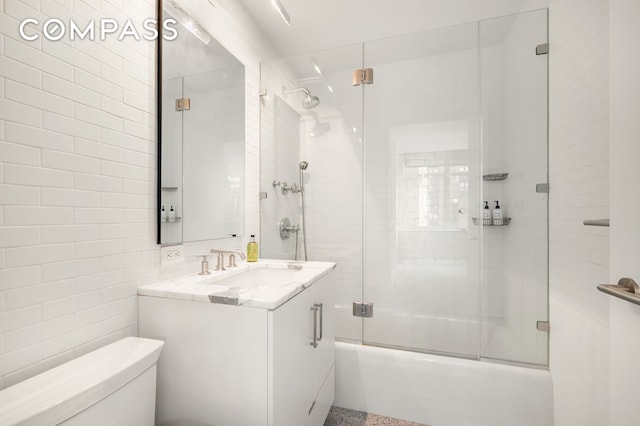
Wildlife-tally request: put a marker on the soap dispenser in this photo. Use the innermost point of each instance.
(486, 214)
(172, 215)
(252, 250)
(497, 215)
(163, 215)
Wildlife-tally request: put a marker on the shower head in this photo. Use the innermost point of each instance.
(309, 100)
(304, 165)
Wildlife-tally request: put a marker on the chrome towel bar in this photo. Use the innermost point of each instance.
(626, 289)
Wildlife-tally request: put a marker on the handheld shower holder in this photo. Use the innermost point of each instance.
(293, 188)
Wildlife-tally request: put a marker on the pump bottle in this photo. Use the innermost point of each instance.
(497, 215)
(486, 214)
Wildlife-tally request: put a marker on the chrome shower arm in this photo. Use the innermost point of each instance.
(297, 89)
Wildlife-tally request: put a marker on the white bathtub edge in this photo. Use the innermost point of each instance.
(441, 391)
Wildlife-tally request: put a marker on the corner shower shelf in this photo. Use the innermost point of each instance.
(495, 176)
(489, 222)
(169, 188)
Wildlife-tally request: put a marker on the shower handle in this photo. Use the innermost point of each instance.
(286, 229)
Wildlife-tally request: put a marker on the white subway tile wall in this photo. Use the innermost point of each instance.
(77, 178)
(579, 182)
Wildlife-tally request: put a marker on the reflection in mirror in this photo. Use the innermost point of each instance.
(202, 138)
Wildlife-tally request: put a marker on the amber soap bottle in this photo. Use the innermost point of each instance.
(252, 250)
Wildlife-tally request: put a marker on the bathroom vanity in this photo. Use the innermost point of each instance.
(248, 346)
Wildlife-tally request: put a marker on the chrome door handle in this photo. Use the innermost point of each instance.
(626, 289)
(319, 306)
(314, 343)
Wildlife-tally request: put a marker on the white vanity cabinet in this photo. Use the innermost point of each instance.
(238, 365)
(303, 372)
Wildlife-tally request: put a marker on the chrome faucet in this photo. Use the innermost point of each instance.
(232, 258)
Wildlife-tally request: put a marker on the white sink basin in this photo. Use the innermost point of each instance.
(261, 277)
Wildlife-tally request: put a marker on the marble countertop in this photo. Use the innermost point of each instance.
(227, 287)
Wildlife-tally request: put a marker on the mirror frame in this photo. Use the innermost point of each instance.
(159, 17)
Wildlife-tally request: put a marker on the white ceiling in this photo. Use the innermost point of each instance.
(323, 24)
(187, 55)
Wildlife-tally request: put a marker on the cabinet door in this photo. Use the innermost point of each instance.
(291, 328)
(213, 369)
(324, 354)
(322, 293)
(300, 368)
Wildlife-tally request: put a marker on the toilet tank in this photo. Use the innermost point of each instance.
(114, 385)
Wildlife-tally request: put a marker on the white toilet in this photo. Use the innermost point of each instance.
(114, 385)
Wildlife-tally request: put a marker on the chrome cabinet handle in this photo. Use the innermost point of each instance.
(314, 343)
(319, 306)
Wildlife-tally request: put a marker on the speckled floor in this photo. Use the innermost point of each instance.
(343, 417)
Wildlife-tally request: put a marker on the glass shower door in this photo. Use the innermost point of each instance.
(394, 186)
(514, 132)
(421, 249)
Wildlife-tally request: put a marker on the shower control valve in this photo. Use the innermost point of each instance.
(295, 188)
(286, 228)
(283, 185)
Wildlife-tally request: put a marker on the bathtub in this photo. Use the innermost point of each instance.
(440, 391)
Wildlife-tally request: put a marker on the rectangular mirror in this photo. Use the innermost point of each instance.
(201, 132)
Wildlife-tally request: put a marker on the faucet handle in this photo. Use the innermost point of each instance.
(220, 265)
(232, 261)
(204, 270)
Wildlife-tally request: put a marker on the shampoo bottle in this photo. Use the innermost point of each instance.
(252, 250)
(163, 215)
(497, 214)
(172, 215)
